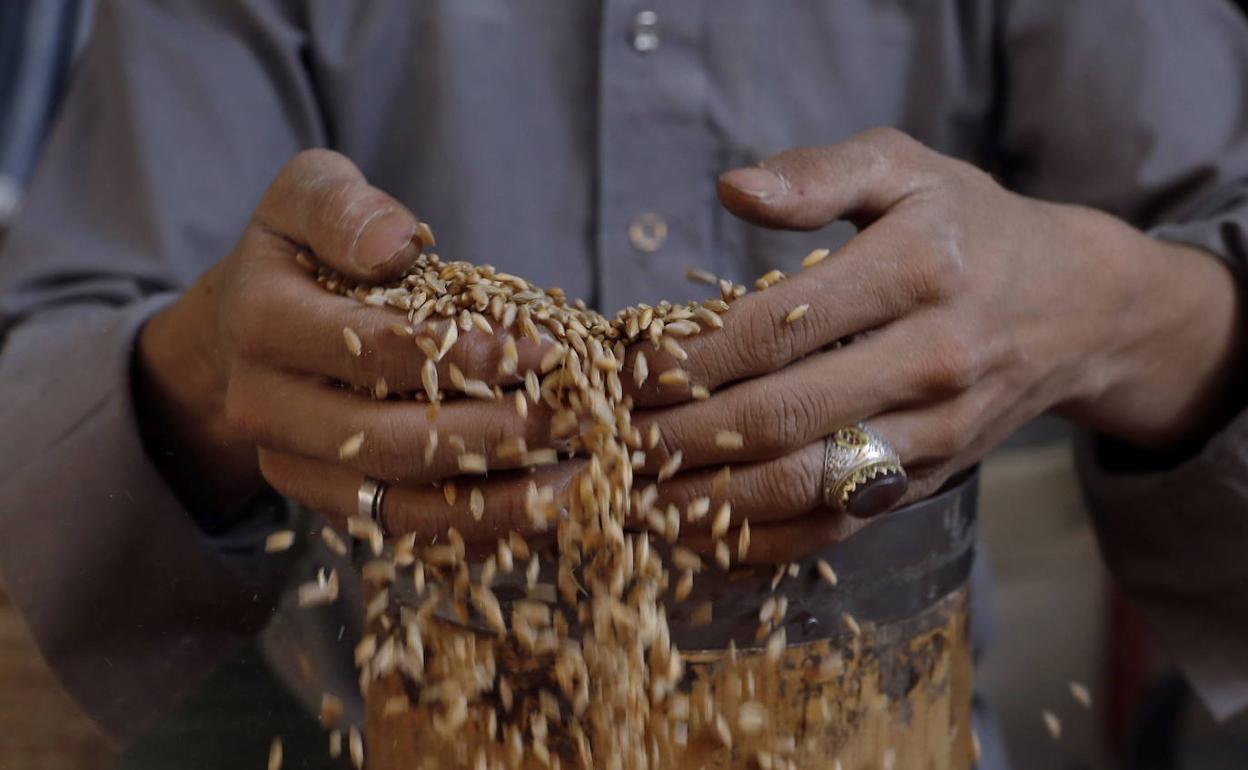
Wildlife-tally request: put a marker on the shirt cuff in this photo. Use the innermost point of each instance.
(130, 603)
(1177, 541)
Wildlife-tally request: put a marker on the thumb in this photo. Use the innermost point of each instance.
(859, 179)
(322, 202)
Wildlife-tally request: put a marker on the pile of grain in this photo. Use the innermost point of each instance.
(612, 696)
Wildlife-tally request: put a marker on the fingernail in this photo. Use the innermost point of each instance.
(757, 182)
(389, 240)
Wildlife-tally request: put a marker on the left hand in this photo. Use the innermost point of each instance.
(978, 308)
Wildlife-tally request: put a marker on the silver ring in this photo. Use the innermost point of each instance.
(368, 501)
(862, 475)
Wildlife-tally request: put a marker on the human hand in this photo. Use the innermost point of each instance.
(974, 309)
(254, 377)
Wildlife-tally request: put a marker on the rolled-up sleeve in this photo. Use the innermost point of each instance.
(1140, 108)
(179, 115)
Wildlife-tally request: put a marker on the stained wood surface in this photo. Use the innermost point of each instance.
(40, 725)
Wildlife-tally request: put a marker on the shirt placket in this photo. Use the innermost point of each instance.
(657, 158)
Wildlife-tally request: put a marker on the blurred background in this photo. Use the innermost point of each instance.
(1058, 618)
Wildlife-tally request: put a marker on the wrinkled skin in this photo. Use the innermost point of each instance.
(973, 309)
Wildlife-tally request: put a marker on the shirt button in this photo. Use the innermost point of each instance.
(645, 31)
(647, 232)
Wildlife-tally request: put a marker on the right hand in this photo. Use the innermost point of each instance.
(244, 374)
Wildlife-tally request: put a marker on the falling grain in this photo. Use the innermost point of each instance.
(355, 744)
(476, 503)
(698, 275)
(471, 462)
(826, 572)
(684, 586)
(851, 623)
(722, 520)
(332, 541)
(275, 754)
(1081, 694)
(350, 448)
(729, 440)
(1052, 724)
(279, 541)
(331, 710)
(743, 541)
(751, 717)
(669, 468)
(719, 484)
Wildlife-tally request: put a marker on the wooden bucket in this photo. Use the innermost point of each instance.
(877, 673)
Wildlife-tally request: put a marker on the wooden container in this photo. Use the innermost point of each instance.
(876, 675)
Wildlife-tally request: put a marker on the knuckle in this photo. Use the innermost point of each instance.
(939, 269)
(310, 164)
(779, 421)
(946, 434)
(955, 361)
(277, 473)
(891, 144)
(791, 484)
(760, 349)
(243, 415)
(388, 451)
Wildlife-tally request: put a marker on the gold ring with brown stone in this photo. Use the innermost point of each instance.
(862, 475)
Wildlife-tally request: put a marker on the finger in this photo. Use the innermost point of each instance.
(296, 325)
(803, 189)
(390, 440)
(868, 283)
(321, 201)
(769, 491)
(778, 543)
(773, 415)
(332, 489)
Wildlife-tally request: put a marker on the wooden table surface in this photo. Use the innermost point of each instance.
(40, 725)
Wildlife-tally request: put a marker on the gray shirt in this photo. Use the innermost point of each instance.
(551, 138)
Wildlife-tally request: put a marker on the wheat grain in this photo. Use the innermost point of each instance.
(350, 448)
(355, 745)
(674, 377)
(641, 369)
(729, 440)
(722, 520)
(1052, 724)
(826, 572)
(1081, 694)
(796, 314)
(671, 466)
(279, 541)
(333, 541)
(814, 258)
(275, 754)
(352, 340)
(698, 275)
(425, 234)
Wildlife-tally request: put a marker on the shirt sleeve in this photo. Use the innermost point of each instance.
(178, 116)
(1140, 108)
